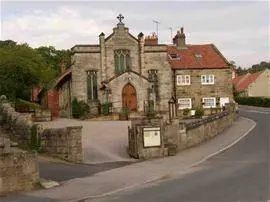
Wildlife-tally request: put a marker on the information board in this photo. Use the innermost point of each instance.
(151, 137)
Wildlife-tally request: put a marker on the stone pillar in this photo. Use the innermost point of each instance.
(141, 51)
(182, 136)
(102, 57)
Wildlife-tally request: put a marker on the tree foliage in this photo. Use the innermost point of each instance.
(21, 69)
(56, 59)
(254, 68)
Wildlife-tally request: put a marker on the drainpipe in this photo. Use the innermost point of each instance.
(174, 84)
(174, 91)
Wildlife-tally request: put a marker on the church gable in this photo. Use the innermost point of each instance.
(119, 52)
(121, 35)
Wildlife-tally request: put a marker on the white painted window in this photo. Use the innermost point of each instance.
(207, 79)
(184, 103)
(223, 101)
(183, 80)
(209, 102)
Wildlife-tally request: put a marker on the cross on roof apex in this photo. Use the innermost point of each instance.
(120, 17)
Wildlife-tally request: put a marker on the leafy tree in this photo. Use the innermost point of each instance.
(55, 58)
(259, 67)
(21, 69)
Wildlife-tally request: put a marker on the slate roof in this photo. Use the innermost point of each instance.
(210, 58)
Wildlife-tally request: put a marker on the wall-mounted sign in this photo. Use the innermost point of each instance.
(151, 137)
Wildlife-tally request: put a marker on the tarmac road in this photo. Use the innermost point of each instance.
(240, 173)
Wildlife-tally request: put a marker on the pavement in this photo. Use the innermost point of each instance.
(103, 141)
(139, 174)
(58, 170)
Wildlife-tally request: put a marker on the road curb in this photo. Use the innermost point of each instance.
(174, 173)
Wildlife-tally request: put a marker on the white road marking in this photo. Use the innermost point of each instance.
(228, 146)
(255, 111)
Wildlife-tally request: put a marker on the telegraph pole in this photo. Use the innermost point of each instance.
(157, 23)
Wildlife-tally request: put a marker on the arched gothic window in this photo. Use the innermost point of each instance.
(122, 61)
(92, 93)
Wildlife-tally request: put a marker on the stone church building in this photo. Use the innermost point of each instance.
(140, 74)
(124, 70)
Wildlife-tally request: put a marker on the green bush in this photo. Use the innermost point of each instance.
(26, 104)
(253, 101)
(35, 140)
(80, 109)
(186, 112)
(124, 114)
(199, 112)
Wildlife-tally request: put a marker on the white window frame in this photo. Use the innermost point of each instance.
(190, 103)
(224, 98)
(208, 79)
(183, 80)
(205, 98)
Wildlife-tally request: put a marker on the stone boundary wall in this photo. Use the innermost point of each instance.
(177, 135)
(42, 115)
(198, 132)
(19, 124)
(18, 171)
(181, 135)
(64, 143)
(135, 137)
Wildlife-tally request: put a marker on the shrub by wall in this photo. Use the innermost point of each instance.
(80, 109)
(253, 101)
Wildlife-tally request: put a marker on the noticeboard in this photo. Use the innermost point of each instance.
(151, 137)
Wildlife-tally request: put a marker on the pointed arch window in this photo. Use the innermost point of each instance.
(122, 61)
(92, 93)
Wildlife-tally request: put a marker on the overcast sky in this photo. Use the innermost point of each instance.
(240, 29)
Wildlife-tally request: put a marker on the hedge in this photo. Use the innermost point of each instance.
(253, 101)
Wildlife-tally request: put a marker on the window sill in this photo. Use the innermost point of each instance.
(207, 83)
(183, 84)
(209, 107)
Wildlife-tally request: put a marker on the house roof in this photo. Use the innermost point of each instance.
(243, 85)
(59, 79)
(238, 79)
(208, 57)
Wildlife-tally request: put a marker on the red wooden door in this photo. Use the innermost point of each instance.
(129, 97)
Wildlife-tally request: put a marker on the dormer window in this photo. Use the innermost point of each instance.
(174, 56)
(198, 55)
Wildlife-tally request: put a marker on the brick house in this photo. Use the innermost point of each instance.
(140, 74)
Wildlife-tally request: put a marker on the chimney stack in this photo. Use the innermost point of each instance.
(180, 39)
(151, 40)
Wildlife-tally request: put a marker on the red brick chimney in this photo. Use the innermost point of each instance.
(151, 40)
